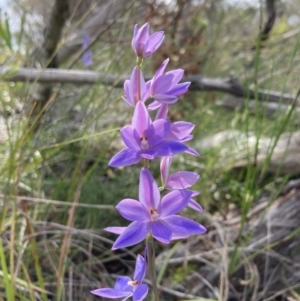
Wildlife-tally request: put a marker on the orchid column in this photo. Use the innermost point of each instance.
(153, 215)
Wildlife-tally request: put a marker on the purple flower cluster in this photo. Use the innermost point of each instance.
(153, 215)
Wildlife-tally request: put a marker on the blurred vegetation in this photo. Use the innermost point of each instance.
(54, 174)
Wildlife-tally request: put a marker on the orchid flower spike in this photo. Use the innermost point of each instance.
(179, 180)
(154, 216)
(125, 287)
(144, 44)
(145, 139)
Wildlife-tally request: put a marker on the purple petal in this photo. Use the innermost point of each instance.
(148, 86)
(192, 152)
(194, 205)
(145, 91)
(130, 137)
(141, 39)
(87, 58)
(149, 154)
(161, 231)
(115, 230)
(179, 89)
(179, 130)
(183, 226)
(154, 105)
(140, 269)
(176, 74)
(155, 40)
(85, 41)
(149, 194)
(161, 69)
(141, 118)
(122, 284)
(127, 101)
(169, 148)
(126, 298)
(162, 112)
(182, 180)
(133, 210)
(87, 55)
(128, 93)
(173, 202)
(162, 84)
(125, 157)
(157, 131)
(135, 233)
(177, 236)
(140, 293)
(135, 32)
(165, 164)
(110, 293)
(187, 138)
(165, 98)
(194, 193)
(134, 85)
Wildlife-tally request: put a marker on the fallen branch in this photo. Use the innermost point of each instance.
(198, 82)
(270, 109)
(239, 150)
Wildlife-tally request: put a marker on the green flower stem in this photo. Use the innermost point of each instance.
(149, 239)
(145, 162)
(151, 265)
(139, 63)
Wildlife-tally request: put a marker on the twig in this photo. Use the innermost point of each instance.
(269, 109)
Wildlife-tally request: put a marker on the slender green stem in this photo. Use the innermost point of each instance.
(151, 265)
(139, 62)
(145, 162)
(139, 82)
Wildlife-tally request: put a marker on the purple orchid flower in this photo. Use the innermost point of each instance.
(125, 287)
(165, 88)
(87, 55)
(179, 180)
(132, 86)
(155, 216)
(180, 131)
(145, 139)
(144, 44)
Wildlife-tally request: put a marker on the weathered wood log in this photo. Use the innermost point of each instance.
(237, 149)
(269, 109)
